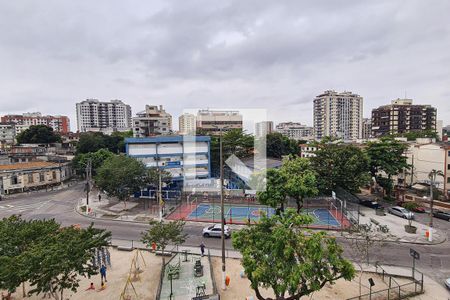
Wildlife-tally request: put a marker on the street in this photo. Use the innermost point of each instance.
(60, 205)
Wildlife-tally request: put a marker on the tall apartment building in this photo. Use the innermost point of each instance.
(263, 128)
(186, 124)
(214, 121)
(59, 124)
(295, 131)
(152, 121)
(401, 116)
(7, 134)
(367, 128)
(106, 117)
(338, 115)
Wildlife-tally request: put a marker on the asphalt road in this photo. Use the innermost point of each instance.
(60, 205)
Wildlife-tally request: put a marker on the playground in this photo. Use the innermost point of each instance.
(330, 218)
(128, 277)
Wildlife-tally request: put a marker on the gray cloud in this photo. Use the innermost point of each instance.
(264, 54)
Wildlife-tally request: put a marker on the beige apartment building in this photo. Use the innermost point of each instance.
(215, 121)
(21, 177)
(338, 115)
(152, 121)
(425, 155)
(186, 124)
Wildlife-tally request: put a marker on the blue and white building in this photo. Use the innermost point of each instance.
(185, 157)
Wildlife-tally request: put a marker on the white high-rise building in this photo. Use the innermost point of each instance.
(263, 128)
(295, 131)
(152, 121)
(106, 117)
(338, 115)
(186, 124)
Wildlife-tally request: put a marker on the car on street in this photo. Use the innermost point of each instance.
(216, 231)
(371, 204)
(441, 215)
(401, 212)
(416, 208)
(447, 283)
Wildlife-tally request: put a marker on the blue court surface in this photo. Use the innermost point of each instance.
(240, 214)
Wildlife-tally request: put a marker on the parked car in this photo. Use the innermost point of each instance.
(401, 212)
(371, 204)
(216, 231)
(447, 283)
(441, 215)
(417, 208)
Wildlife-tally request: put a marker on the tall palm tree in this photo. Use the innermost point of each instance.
(432, 175)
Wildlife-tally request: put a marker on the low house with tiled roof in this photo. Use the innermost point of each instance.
(26, 176)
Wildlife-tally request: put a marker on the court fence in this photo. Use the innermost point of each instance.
(328, 213)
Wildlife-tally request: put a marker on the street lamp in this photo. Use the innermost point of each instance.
(222, 214)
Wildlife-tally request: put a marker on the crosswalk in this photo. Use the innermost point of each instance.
(22, 207)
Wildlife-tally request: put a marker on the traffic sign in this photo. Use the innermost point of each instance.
(414, 253)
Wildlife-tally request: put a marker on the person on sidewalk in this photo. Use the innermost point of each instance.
(202, 249)
(99, 197)
(103, 273)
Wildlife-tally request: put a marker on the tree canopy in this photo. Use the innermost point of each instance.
(38, 134)
(340, 165)
(164, 233)
(97, 158)
(275, 193)
(51, 258)
(94, 141)
(279, 145)
(278, 253)
(301, 179)
(120, 176)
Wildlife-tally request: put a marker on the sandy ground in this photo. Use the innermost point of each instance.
(146, 287)
(239, 288)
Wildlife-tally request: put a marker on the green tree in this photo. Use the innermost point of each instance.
(300, 179)
(164, 233)
(386, 158)
(97, 158)
(279, 253)
(275, 192)
(279, 145)
(153, 176)
(38, 134)
(94, 141)
(57, 262)
(120, 176)
(340, 165)
(17, 236)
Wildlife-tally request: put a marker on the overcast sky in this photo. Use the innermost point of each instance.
(276, 55)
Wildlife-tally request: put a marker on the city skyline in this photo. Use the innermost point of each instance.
(206, 54)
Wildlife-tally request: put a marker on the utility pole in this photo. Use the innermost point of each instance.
(222, 215)
(160, 201)
(88, 187)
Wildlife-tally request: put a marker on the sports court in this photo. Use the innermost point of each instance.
(242, 214)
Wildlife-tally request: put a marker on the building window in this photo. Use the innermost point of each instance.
(30, 178)
(41, 177)
(14, 180)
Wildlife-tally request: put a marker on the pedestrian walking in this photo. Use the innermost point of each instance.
(202, 248)
(103, 273)
(99, 197)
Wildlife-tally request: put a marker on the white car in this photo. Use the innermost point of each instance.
(216, 230)
(447, 283)
(401, 212)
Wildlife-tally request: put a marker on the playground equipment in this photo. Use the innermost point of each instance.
(198, 268)
(135, 267)
(125, 295)
(101, 257)
(173, 271)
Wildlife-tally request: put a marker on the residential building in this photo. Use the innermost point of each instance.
(295, 131)
(186, 124)
(307, 150)
(424, 156)
(152, 121)
(7, 134)
(401, 116)
(184, 157)
(263, 128)
(338, 115)
(215, 121)
(59, 124)
(107, 117)
(22, 177)
(366, 129)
